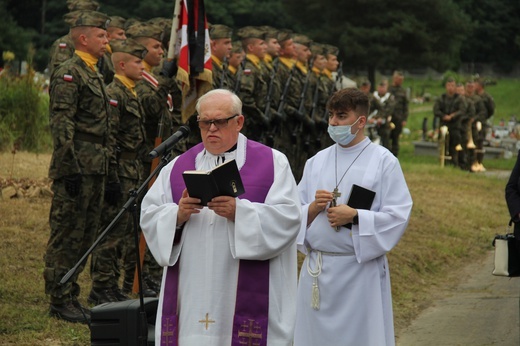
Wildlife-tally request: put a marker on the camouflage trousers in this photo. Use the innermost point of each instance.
(110, 254)
(74, 222)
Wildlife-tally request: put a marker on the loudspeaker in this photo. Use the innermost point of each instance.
(118, 323)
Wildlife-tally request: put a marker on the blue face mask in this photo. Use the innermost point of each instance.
(342, 134)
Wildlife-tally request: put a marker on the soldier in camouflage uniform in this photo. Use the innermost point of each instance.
(286, 68)
(299, 104)
(115, 31)
(63, 48)
(331, 67)
(489, 110)
(127, 126)
(221, 44)
(253, 87)
(468, 113)
(383, 118)
(400, 110)
(234, 63)
(154, 93)
(320, 96)
(79, 124)
(479, 116)
(449, 108)
(270, 65)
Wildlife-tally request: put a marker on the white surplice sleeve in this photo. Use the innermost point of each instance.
(159, 218)
(380, 229)
(263, 231)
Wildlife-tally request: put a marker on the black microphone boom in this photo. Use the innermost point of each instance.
(168, 144)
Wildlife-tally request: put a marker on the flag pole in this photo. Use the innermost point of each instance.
(175, 27)
(158, 139)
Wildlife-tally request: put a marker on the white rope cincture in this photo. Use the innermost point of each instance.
(315, 298)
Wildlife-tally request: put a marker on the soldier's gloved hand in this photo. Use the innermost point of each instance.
(277, 117)
(113, 193)
(309, 123)
(73, 184)
(323, 124)
(299, 115)
(169, 68)
(265, 120)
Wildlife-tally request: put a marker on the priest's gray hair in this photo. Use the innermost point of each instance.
(236, 104)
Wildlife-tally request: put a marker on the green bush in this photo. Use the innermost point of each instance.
(24, 115)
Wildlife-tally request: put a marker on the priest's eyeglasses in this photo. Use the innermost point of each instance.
(219, 123)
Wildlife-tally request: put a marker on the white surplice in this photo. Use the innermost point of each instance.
(212, 247)
(354, 285)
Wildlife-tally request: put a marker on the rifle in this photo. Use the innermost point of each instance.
(315, 96)
(224, 72)
(339, 74)
(236, 89)
(267, 110)
(283, 100)
(301, 109)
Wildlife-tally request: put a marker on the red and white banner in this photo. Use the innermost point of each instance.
(194, 55)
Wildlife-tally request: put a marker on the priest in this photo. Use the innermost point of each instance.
(344, 295)
(230, 267)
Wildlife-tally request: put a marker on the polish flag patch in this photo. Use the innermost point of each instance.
(62, 45)
(67, 78)
(113, 103)
(247, 71)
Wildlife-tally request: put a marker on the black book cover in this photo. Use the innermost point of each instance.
(360, 198)
(223, 180)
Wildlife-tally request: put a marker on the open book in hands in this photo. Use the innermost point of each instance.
(223, 180)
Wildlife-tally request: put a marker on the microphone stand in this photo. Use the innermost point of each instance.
(130, 205)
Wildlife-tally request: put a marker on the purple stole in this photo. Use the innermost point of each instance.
(252, 302)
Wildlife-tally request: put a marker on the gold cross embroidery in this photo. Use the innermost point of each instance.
(250, 334)
(207, 321)
(167, 332)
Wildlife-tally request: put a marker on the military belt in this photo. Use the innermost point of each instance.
(128, 155)
(87, 137)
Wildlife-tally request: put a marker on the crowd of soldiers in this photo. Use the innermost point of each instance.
(465, 111)
(113, 94)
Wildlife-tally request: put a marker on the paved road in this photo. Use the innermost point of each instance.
(482, 310)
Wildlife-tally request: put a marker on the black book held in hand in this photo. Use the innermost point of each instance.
(360, 198)
(223, 180)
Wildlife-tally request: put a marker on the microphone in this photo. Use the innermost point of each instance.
(167, 145)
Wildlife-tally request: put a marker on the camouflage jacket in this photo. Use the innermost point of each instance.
(154, 92)
(127, 126)
(272, 82)
(221, 77)
(489, 104)
(253, 87)
(401, 103)
(446, 105)
(78, 120)
(61, 50)
(480, 109)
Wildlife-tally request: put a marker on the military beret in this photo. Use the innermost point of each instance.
(163, 23)
(75, 5)
(131, 21)
(332, 50)
(269, 31)
(217, 31)
(250, 32)
(117, 22)
(318, 48)
(237, 47)
(284, 35)
(302, 39)
(90, 18)
(129, 46)
(145, 30)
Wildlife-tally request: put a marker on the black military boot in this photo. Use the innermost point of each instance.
(69, 311)
(101, 295)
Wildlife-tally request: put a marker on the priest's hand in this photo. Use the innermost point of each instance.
(321, 199)
(187, 206)
(341, 215)
(224, 206)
